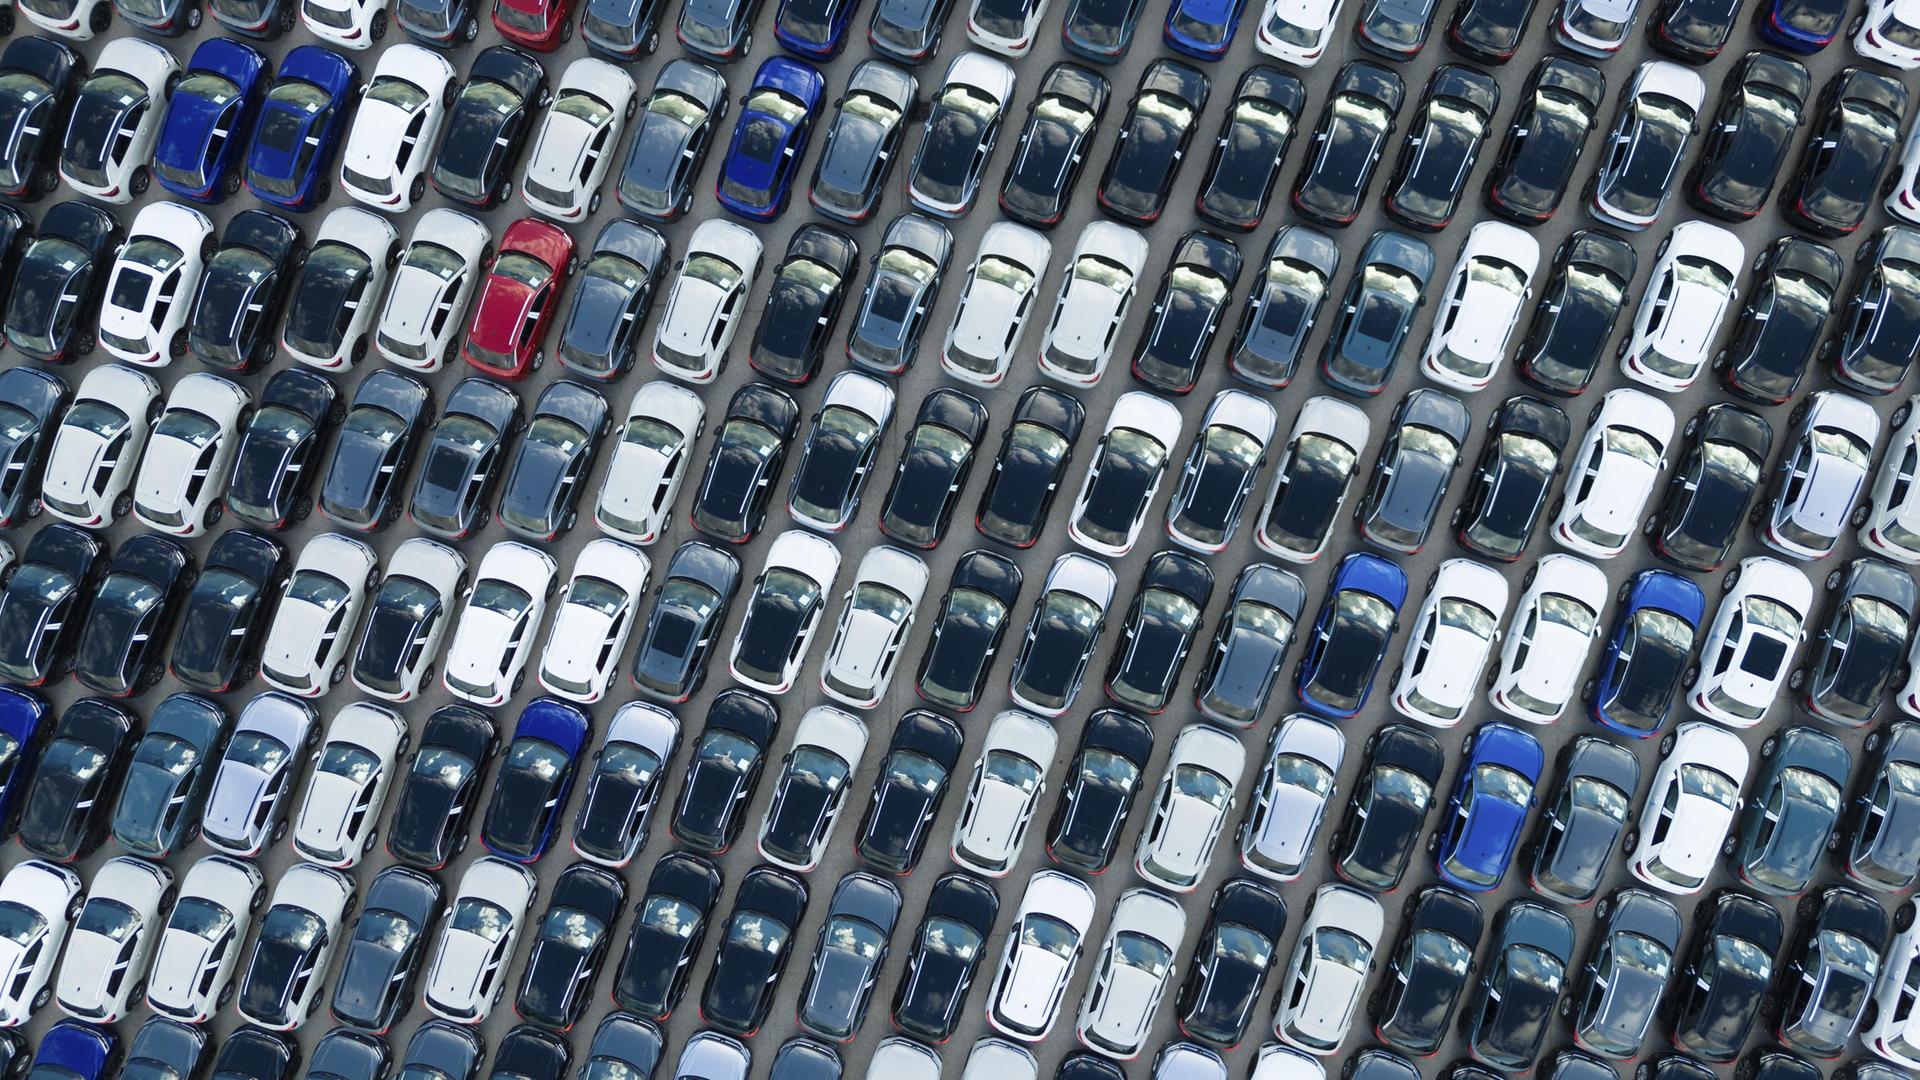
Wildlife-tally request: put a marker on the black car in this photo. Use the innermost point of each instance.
(921, 756)
(899, 294)
(748, 451)
(934, 466)
(907, 31)
(169, 774)
(1489, 30)
(1253, 141)
(1159, 629)
(1187, 310)
(670, 923)
(1618, 989)
(1724, 976)
(345, 1054)
(1877, 336)
(550, 466)
(53, 307)
(381, 959)
(529, 1051)
(443, 1048)
(621, 30)
(1388, 811)
(1033, 458)
(625, 781)
(1103, 778)
(1783, 316)
(1354, 127)
(1395, 29)
(1237, 678)
(1582, 827)
(1761, 105)
(1855, 137)
(601, 331)
(442, 786)
(857, 154)
(1283, 306)
(945, 956)
(1443, 142)
(1586, 289)
(1790, 819)
(43, 607)
(243, 290)
(487, 127)
(1375, 316)
(162, 1049)
(689, 608)
(1692, 31)
(1559, 106)
(1520, 983)
(278, 457)
(1696, 521)
(724, 770)
(1427, 971)
(1858, 653)
(753, 951)
(1426, 440)
(39, 79)
(224, 623)
(1237, 948)
(121, 649)
(1153, 140)
(1826, 976)
(1507, 493)
(1882, 850)
(962, 125)
(1052, 150)
(334, 281)
(461, 461)
(1771, 1064)
(967, 630)
(69, 801)
(804, 1057)
(803, 303)
(31, 405)
(623, 1046)
(848, 956)
(367, 472)
(568, 947)
(252, 1053)
(671, 137)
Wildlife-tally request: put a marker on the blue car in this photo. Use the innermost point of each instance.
(815, 29)
(536, 776)
(770, 138)
(198, 152)
(1489, 806)
(1350, 636)
(1646, 656)
(76, 1050)
(301, 124)
(1800, 26)
(1203, 29)
(22, 716)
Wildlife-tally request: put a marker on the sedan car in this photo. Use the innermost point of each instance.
(189, 455)
(537, 774)
(1855, 137)
(299, 933)
(893, 311)
(1689, 808)
(1426, 440)
(961, 128)
(518, 299)
(1051, 153)
(1760, 108)
(493, 638)
(1007, 782)
(441, 787)
(1559, 107)
(1656, 118)
(302, 122)
(942, 959)
(485, 919)
(1043, 945)
(121, 650)
(918, 767)
(1521, 981)
(1331, 959)
(1350, 637)
(601, 334)
(754, 947)
(116, 120)
(1581, 302)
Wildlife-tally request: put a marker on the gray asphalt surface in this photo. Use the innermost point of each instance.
(926, 376)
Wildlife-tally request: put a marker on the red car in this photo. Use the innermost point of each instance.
(542, 25)
(518, 300)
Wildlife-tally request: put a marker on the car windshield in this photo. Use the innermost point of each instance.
(1295, 771)
(1466, 616)
(260, 752)
(1143, 954)
(1104, 272)
(1633, 444)
(1335, 946)
(571, 927)
(1012, 770)
(583, 107)
(108, 918)
(216, 89)
(1706, 783)
(914, 772)
(761, 933)
(200, 917)
(1194, 782)
(323, 591)
(950, 937)
(398, 93)
(1262, 619)
(868, 107)
(1558, 609)
(597, 595)
(670, 915)
(972, 101)
(856, 936)
(523, 268)
(1069, 114)
(482, 918)
(882, 600)
(1502, 784)
(20, 924)
(1104, 768)
(503, 598)
(349, 762)
(1040, 931)
(1843, 445)
(893, 300)
(1586, 793)
(712, 269)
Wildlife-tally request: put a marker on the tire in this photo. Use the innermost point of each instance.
(1798, 414)
(1728, 847)
(140, 182)
(593, 204)
(194, 18)
(573, 265)
(1771, 744)
(338, 674)
(287, 16)
(323, 190)
(40, 999)
(1804, 909)
(1667, 743)
(1566, 1005)
(1834, 578)
(377, 28)
(1693, 426)
(1620, 594)
(566, 31)
(1900, 416)
(1588, 691)
(1731, 579)
(215, 511)
(1872, 745)
(1601, 907)
(1650, 526)
(122, 505)
(231, 183)
(1860, 515)
(1903, 918)
(470, 30)
(1629, 840)
(418, 189)
(101, 18)
(1797, 679)
(177, 345)
(279, 831)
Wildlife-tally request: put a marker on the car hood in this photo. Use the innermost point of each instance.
(505, 303)
(410, 304)
(324, 818)
(1692, 847)
(186, 955)
(1482, 335)
(1087, 313)
(235, 794)
(1027, 992)
(556, 162)
(1619, 493)
(456, 972)
(863, 650)
(83, 970)
(483, 637)
(377, 128)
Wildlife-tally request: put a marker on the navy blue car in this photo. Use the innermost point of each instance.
(198, 152)
(770, 138)
(536, 776)
(1647, 653)
(302, 123)
(1350, 636)
(1488, 808)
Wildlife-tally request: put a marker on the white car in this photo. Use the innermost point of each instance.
(994, 306)
(1690, 807)
(1124, 473)
(1889, 31)
(1130, 975)
(348, 788)
(1613, 473)
(874, 622)
(1480, 310)
(38, 903)
(1297, 31)
(312, 629)
(1595, 28)
(708, 299)
(397, 123)
(1043, 944)
(286, 973)
(573, 147)
(1747, 652)
(1291, 798)
(650, 460)
(76, 20)
(1823, 469)
(811, 788)
(407, 620)
(1008, 779)
(989, 27)
(189, 456)
(120, 107)
(594, 616)
(199, 948)
(1452, 639)
(1658, 114)
(1190, 809)
(149, 292)
(1278, 1061)
(1069, 615)
(247, 807)
(629, 770)
(430, 289)
(1554, 628)
(998, 1059)
(793, 584)
(1894, 1033)
(1331, 960)
(710, 1055)
(90, 467)
(980, 86)
(347, 267)
(900, 1058)
(1686, 302)
(1227, 453)
(494, 638)
(852, 421)
(1903, 198)
(108, 949)
(1890, 525)
(1313, 480)
(1183, 1060)
(469, 967)
(1102, 278)
(347, 24)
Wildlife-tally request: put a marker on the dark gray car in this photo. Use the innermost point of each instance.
(610, 303)
(1386, 291)
(1581, 828)
(170, 774)
(848, 956)
(670, 140)
(1425, 439)
(863, 141)
(1883, 846)
(900, 291)
(1256, 629)
(1791, 815)
(688, 611)
(1625, 974)
(1284, 306)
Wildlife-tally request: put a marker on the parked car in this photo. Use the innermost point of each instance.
(1871, 349)
(1617, 467)
(250, 804)
(1043, 945)
(1049, 157)
(1104, 777)
(487, 123)
(400, 117)
(1647, 654)
(897, 301)
(961, 129)
(537, 774)
(199, 950)
(670, 925)
(1348, 141)
(53, 313)
(244, 290)
(624, 785)
(704, 307)
(1004, 790)
(1331, 959)
(1688, 298)
(1495, 790)
(1098, 291)
(1858, 650)
(1725, 975)
(1652, 126)
(302, 122)
(519, 299)
(724, 770)
(224, 623)
(1751, 642)
(1555, 625)
(382, 957)
(1696, 522)
(847, 956)
(862, 141)
(1062, 631)
(367, 470)
(921, 757)
(493, 637)
(219, 93)
(1625, 973)
(1760, 108)
(1291, 798)
(1793, 813)
(44, 898)
(441, 788)
(1559, 107)
(809, 288)
(942, 960)
(1826, 977)
(566, 953)
(120, 651)
(307, 645)
(753, 951)
(1388, 809)
(1822, 470)
(601, 334)
(1351, 634)
(1490, 282)
(1690, 807)
(1254, 136)
(1130, 974)
(347, 790)
(1581, 302)
(105, 964)
(485, 919)
(1854, 139)
(146, 299)
(1189, 810)
(293, 951)
(1428, 971)
(1521, 981)
(38, 401)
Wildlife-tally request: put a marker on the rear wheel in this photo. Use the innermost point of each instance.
(377, 28)
(230, 183)
(140, 181)
(100, 18)
(177, 346)
(470, 29)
